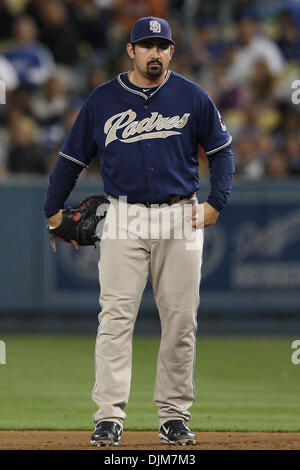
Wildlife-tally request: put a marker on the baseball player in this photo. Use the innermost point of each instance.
(145, 126)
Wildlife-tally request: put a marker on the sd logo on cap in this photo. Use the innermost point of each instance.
(151, 27)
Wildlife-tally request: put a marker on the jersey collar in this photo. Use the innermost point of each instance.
(136, 92)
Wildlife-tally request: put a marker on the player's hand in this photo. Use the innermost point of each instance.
(55, 221)
(204, 215)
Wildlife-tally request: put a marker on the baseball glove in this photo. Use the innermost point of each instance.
(80, 222)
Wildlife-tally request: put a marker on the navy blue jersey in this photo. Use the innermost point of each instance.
(147, 142)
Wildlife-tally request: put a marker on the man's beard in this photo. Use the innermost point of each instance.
(154, 69)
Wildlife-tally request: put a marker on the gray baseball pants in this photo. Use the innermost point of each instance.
(127, 255)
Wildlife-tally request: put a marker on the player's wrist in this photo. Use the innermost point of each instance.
(213, 202)
(55, 220)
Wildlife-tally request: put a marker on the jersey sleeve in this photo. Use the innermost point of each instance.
(213, 134)
(79, 145)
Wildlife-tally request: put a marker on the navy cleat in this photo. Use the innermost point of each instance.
(107, 433)
(175, 431)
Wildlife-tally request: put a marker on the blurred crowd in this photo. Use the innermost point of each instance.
(246, 54)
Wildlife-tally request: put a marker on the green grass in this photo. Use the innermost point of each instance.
(242, 384)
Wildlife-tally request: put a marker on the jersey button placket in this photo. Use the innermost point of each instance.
(148, 145)
(149, 148)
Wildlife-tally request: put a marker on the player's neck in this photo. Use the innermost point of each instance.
(143, 82)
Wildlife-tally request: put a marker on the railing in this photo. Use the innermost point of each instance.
(251, 256)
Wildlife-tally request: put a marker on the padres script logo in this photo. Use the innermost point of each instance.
(153, 127)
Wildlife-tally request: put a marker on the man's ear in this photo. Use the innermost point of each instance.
(171, 51)
(130, 50)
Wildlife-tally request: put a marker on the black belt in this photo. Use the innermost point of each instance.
(169, 202)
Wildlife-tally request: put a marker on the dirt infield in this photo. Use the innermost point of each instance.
(80, 440)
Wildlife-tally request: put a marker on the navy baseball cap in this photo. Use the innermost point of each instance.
(150, 27)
